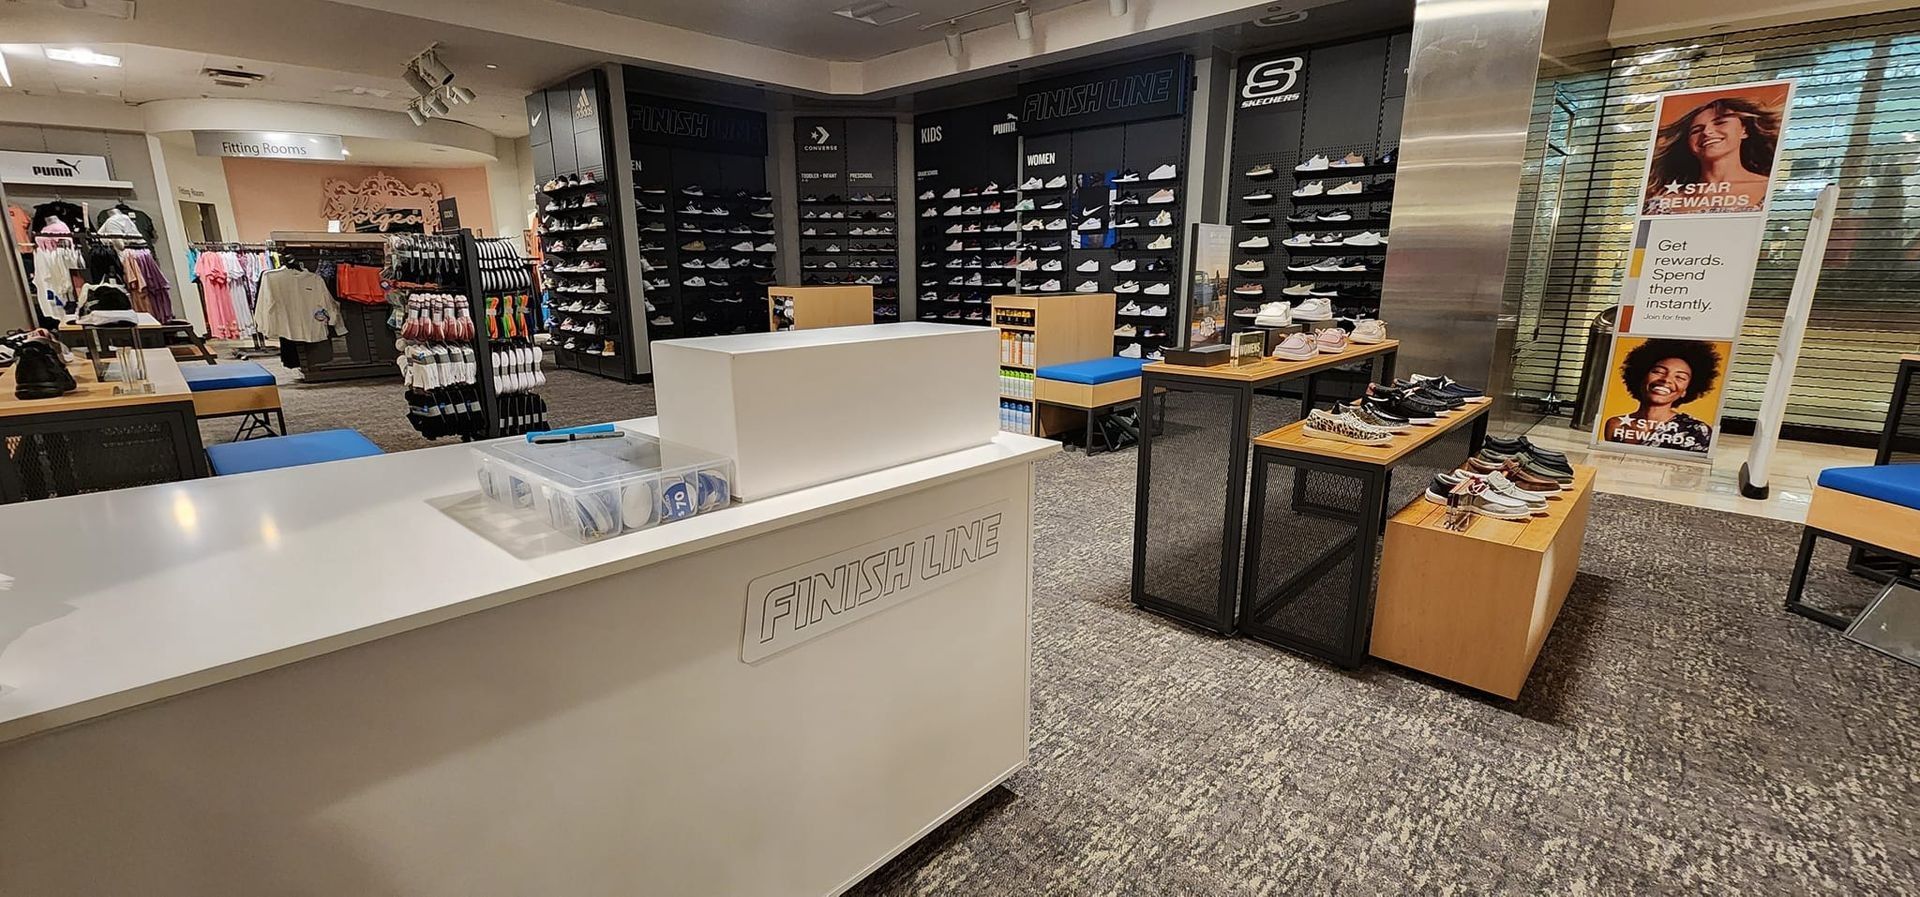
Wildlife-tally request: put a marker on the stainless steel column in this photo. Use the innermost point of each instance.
(1470, 86)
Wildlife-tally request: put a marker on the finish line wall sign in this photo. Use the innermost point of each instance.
(1709, 175)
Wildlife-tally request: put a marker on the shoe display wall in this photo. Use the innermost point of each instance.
(1325, 234)
(847, 173)
(968, 208)
(1122, 191)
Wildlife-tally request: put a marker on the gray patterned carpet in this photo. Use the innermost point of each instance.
(1680, 735)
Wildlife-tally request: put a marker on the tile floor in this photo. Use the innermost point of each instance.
(1713, 484)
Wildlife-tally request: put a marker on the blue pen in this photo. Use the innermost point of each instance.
(573, 434)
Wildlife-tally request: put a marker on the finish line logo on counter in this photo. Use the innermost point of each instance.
(809, 600)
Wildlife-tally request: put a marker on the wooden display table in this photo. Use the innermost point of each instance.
(1190, 510)
(838, 306)
(1311, 549)
(179, 339)
(91, 439)
(1474, 606)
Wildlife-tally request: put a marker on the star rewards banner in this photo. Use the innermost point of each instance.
(1710, 168)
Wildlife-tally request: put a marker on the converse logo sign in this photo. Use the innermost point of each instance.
(822, 141)
(1272, 82)
(801, 603)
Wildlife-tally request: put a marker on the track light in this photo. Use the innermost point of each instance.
(953, 40)
(1023, 22)
(435, 106)
(416, 81)
(459, 94)
(430, 66)
(414, 114)
(1117, 7)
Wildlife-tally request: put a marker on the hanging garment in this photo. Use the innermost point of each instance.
(296, 305)
(20, 224)
(115, 223)
(141, 222)
(149, 283)
(54, 261)
(74, 217)
(216, 293)
(359, 283)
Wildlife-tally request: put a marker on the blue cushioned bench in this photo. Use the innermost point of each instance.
(289, 451)
(240, 388)
(1866, 507)
(1093, 386)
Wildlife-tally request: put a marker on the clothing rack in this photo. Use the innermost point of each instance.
(367, 350)
(260, 348)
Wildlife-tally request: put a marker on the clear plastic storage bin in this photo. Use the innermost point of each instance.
(596, 488)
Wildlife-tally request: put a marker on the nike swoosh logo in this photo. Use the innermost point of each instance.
(536, 118)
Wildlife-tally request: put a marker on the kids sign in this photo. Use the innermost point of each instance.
(1702, 215)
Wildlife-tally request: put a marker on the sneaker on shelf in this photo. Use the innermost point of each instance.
(1313, 308)
(1350, 160)
(1370, 332)
(1445, 384)
(1032, 184)
(1259, 196)
(1052, 265)
(1331, 340)
(1310, 188)
(1056, 182)
(1373, 418)
(1124, 266)
(1316, 163)
(662, 321)
(696, 281)
(1025, 205)
(1131, 351)
(1273, 314)
(1164, 173)
(1154, 311)
(1297, 289)
(1050, 286)
(1164, 219)
(1334, 217)
(1350, 188)
(1298, 240)
(1257, 221)
(1475, 495)
(1251, 266)
(1087, 267)
(1260, 242)
(1131, 309)
(1128, 176)
(1088, 286)
(1163, 241)
(927, 195)
(1263, 170)
(1501, 484)
(1246, 313)
(1295, 347)
(1324, 240)
(1091, 224)
(1158, 289)
(1343, 427)
(1160, 197)
(1249, 289)
(1156, 355)
(1126, 330)
(1129, 286)
(1366, 238)
(1390, 158)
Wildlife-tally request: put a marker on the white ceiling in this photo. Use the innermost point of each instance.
(809, 27)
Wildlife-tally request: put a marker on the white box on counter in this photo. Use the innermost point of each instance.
(805, 407)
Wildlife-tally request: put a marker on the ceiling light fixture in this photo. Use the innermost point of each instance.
(413, 112)
(953, 39)
(492, 66)
(1023, 22)
(6, 77)
(1117, 7)
(82, 56)
(459, 94)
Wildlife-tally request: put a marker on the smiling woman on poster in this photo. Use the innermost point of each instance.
(1663, 374)
(1718, 157)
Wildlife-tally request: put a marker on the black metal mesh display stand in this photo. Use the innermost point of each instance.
(1899, 443)
(94, 450)
(1313, 541)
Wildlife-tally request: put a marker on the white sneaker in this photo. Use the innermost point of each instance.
(1163, 173)
(1297, 289)
(1255, 243)
(1310, 188)
(1127, 287)
(1032, 184)
(1027, 265)
(1159, 289)
(1365, 238)
(1091, 224)
(1087, 267)
(1161, 242)
(1056, 182)
(1088, 286)
(696, 281)
(1163, 219)
(1260, 171)
(1025, 205)
(1131, 351)
(1314, 308)
(1369, 332)
(1123, 266)
(1163, 196)
(765, 247)
(1053, 265)
(1317, 163)
(1131, 308)
(1057, 224)
(1126, 330)
(1050, 286)
(1155, 311)
(1274, 314)
(1350, 188)
(952, 193)
(1298, 240)
(927, 195)
(1258, 196)
(1251, 266)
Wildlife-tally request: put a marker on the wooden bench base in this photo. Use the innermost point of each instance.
(254, 403)
(1087, 398)
(1861, 522)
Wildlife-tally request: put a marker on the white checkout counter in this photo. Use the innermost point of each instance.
(359, 678)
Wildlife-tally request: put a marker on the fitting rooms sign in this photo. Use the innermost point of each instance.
(269, 145)
(809, 600)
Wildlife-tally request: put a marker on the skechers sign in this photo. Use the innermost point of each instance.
(804, 602)
(1140, 91)
(1272, 82)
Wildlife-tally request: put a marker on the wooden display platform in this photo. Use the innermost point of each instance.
(1067, 327)
(1270, 368)
(93, 394)
(1474, 607)
(1293, 437)
(834, 306)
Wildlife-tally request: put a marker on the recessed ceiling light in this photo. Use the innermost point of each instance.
(82, 56)
(492, 66)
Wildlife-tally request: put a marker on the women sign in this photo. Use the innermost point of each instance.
(1703, 212)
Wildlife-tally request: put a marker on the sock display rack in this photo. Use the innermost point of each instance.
(586, 302)
(970, 246)
(467, 355)
(853, 240)
(1103, 210)
(1312, 233)
(706, 253)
